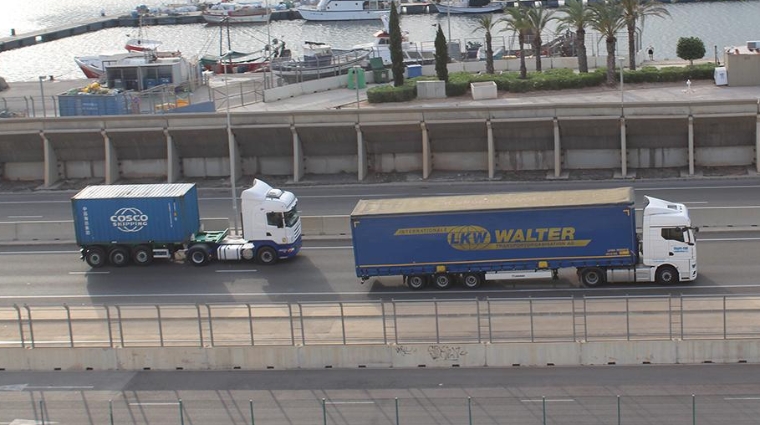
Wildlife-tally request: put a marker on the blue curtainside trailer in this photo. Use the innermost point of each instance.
(474, 238)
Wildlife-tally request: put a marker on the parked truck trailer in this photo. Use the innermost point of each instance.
(123, 224)
(473, 238)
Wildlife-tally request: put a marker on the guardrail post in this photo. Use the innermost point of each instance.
(670, 318)
(469, 409)
(395, 322)
(303, 330)
(585, 320)
(725, 325)
(385, 328)
(42, 412)
(20, 325)
(108, 324)
(543, 409)
(250, 322)
(342, 322)
(250, 403)
(693, 409)
(292, 325)
(530, 306)
(110, 411)
(490, 325)
(121, 325)
(627, 313)
(160, 326)
(31, 329)
(68, 322)
(200, 324)
(181, 413)
(618, 409)
(682, 300)
(437, 330)
(210, 325)
(324, 413)
(477, 312)
(396, 399)
(572, 312)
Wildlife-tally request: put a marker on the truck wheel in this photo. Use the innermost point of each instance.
(266, 255)
(416, 281)
(666, 275)
(592, 277)
(472, 280)
(142, 255)
(119, 256)
(198, 256)
(95, 257)
(443, 281)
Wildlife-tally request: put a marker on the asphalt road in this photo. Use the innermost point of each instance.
(714, 195)
(324, 271)
(556, 395)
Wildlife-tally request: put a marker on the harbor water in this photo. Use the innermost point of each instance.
(718, 24)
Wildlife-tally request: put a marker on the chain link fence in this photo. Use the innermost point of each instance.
(644, 318)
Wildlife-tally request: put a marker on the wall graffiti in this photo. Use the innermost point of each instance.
(446, 352)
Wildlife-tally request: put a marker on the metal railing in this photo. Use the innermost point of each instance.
(383, 322)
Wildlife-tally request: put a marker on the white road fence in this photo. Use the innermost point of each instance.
(536, 320)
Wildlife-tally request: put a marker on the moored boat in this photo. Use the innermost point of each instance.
(413, 53)
(95, 66)
(320, 60)
(236, 13)
(234, 61)
(462, 7)
(345, 10)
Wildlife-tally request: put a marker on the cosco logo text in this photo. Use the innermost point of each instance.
(129, 220)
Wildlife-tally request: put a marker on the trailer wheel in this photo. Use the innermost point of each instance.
(666, 275)
(142, 255)
(472, 280)
(266, 255)
(198, 256)
(592, 277)
(416, 282)
(95, 257)
(443, 281)
(119, 256)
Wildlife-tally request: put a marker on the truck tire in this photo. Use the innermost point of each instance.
(198, 256)
(142, 255)
(443, 281)
(666, 275)
(95, 257)
(416, 281)
(119, 256)
(592, 277)
(472, 280)
(266, 255)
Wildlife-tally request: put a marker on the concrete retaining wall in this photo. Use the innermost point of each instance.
(383, 356)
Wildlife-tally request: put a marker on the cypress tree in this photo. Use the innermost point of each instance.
(397, 56)
(441, 56)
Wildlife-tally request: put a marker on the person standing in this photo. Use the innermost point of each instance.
(650, 50)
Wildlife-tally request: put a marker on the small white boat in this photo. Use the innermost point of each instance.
(414, 53)
(345, 10)
(236, 13)
(462, 7)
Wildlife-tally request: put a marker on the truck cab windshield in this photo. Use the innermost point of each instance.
(291, 217)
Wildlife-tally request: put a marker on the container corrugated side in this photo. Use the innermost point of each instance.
(565, 237)
(168, 217)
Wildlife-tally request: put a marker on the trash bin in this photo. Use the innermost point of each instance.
(413, 71)
(356, 75)
(720, 75)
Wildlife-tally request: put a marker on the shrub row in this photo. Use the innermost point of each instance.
(552, 79)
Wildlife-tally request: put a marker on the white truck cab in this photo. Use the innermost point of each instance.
(667, 246)
(270, 219)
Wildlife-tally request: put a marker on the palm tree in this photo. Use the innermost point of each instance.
(633, 10)
(576, 18)
(539, 17)
(517, 21)
(607, 18)
(486, 22)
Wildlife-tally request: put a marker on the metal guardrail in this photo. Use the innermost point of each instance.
(643, 318)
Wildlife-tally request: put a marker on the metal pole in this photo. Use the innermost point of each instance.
(42, 412)
(448, 18)
(437, 330)
(250, 323)
(622, 98)
(627, 320)
(356, 83)
(20, 325)
(397, 422)
(31, 328)
(543, 408)
(530, 304)
(385, 328)
(490, 327)
(110, 411)
(108, 323)
(395, 322)
(200, 323)
(618, 409)
(324, 413)
(469, 409)
(71, 330)
(250, 403)
(231, 148)
(725, 330)
(42, 93)
(343, 323)
(210, 325)
(181, 413)
(160, 325)
(693, 410)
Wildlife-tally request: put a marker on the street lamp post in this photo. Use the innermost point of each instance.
(42, 94)
(622, 98)
(448, 18)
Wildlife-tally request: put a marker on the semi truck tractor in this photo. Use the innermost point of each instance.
(474, 238)
(123, 224)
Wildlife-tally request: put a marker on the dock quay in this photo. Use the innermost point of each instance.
(50, 34)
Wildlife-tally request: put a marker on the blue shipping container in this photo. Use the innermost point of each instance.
(135, 214)
(92, 105)
(476, 233)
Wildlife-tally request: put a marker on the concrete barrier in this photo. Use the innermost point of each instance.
(383, 356)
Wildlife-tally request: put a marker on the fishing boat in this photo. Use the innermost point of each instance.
(234, 61)
(345, 10)
(413, 53)
(463, 7)
(319, 60)
(95, 66)
(236, 13)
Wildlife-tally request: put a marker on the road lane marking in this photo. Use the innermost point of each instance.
(25, 216)
(88, 273)
(38, 252)
(236, 271)
(741, 398)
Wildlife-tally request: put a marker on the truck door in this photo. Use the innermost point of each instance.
(679, 248)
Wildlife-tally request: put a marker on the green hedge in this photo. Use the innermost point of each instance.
(552, 79)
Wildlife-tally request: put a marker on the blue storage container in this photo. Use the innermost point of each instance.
(515, 231)
(165, 80)
(150, 83)
(414, 71)
(135, 214)
(92, 104)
